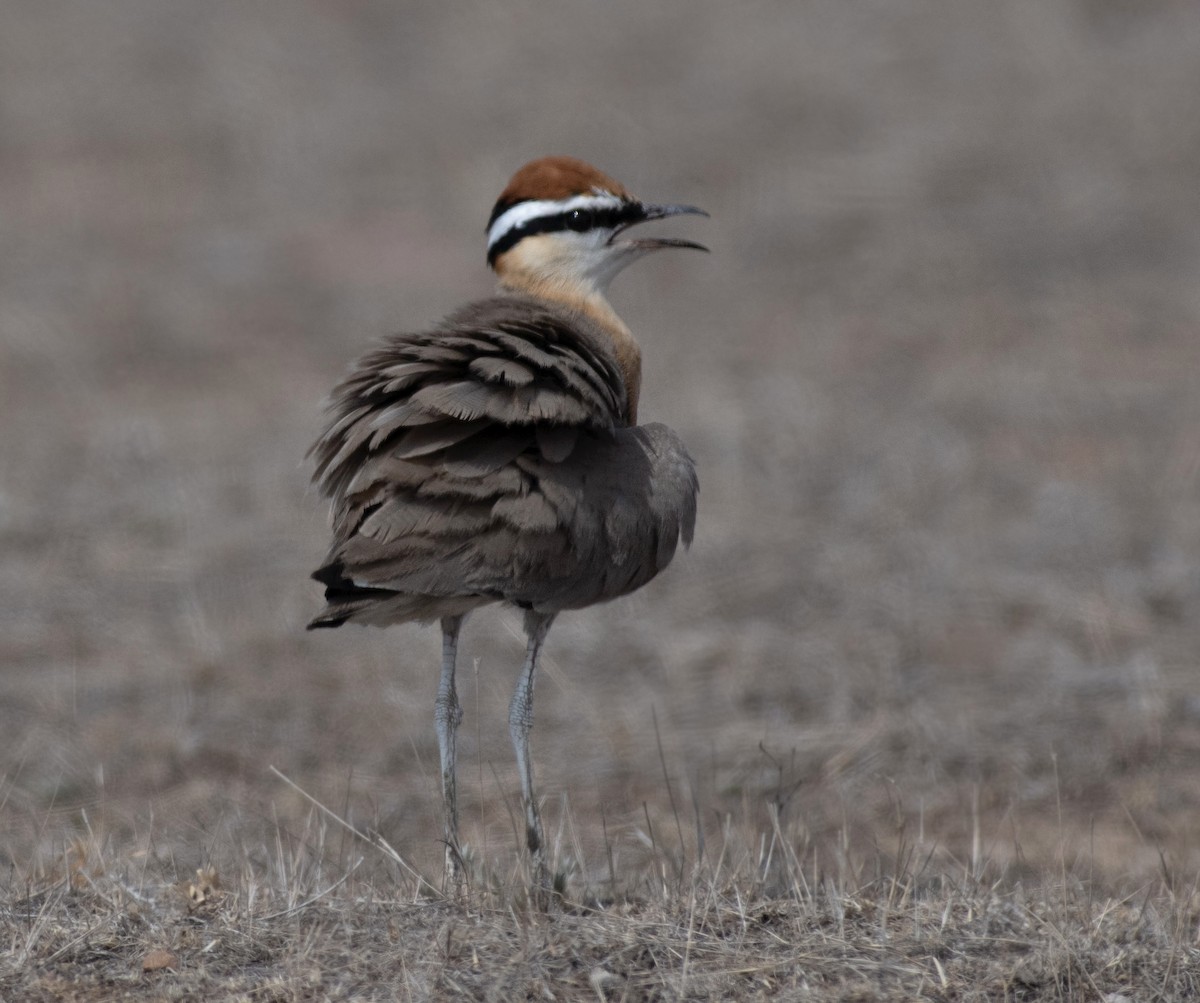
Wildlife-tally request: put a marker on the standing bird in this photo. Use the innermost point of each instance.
(498, 458)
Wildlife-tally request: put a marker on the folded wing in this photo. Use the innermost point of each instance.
(487, 460)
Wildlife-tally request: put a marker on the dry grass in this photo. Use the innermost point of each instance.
(753, 918)
(924, 691)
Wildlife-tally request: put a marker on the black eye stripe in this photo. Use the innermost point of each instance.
(603, 218)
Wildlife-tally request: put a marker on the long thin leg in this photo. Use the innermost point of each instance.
(520, 721)
(447, 714)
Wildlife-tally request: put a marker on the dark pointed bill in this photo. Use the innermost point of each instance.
(653, 212)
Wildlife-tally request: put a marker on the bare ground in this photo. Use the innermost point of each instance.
(936, 642)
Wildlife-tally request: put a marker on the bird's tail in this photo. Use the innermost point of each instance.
(344, 599)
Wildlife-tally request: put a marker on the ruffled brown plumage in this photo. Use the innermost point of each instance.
(488, 460)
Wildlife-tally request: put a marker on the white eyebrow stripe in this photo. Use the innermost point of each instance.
(523, 212)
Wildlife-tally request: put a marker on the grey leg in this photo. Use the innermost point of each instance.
(520, 721)
(446, 715)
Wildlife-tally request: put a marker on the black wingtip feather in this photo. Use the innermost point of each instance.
(333, 575)
(344, 596)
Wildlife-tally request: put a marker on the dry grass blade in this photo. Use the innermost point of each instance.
(313, 899)
(374, 839)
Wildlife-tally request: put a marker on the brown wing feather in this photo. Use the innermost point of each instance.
(486, 460)
(434, 378)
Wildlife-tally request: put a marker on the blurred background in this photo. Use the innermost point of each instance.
(940, 375)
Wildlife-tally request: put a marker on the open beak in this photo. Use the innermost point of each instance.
(652, 212)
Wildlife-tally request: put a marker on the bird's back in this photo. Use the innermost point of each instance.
(490, 459)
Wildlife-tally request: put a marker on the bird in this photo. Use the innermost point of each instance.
(496, 457)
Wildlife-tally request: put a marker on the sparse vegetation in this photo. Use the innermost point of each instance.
(313, 918)
(917, 716)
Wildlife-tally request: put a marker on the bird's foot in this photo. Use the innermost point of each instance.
(454, 874)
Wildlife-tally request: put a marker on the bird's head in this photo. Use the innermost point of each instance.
(560, 223)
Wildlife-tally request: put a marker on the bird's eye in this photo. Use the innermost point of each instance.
(579, 220)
